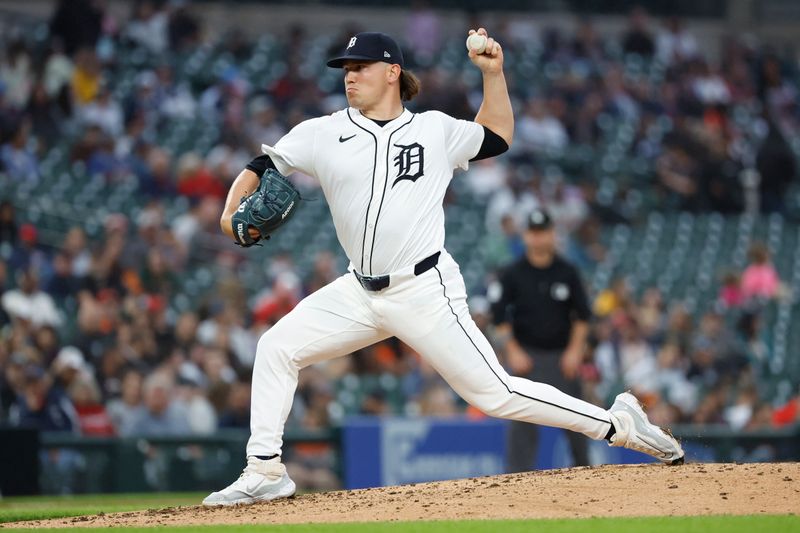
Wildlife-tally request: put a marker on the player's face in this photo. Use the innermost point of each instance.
(366, 82)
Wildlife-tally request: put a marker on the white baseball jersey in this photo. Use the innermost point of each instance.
(385, 185)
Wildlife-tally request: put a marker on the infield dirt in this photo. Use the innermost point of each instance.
(613, 490)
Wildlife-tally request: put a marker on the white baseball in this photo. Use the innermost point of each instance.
(477, 42)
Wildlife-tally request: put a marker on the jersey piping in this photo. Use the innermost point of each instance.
(372, 188)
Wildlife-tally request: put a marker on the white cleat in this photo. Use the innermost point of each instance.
(634, 431)
(260, 481)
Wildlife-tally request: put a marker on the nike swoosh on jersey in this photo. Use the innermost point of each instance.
(345, 139)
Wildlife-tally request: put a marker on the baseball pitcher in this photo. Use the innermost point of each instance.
(384, 171)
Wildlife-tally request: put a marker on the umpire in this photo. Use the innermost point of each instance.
(542, 318)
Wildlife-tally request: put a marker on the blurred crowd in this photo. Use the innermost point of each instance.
(90, 344)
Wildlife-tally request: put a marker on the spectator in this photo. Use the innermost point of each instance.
(650, 314)
(638, 39)
(194, 179)
(750, 330)
(776, 93)
(538, 130)
(30, 304)
(47, 117)
(86, 77)
(93, 417)
(103, 112)
(673, 385)
(787, 414)
(29, 254)
(586, 44)
(616, 297)
(777, 169)
(674, 44)
(17, 157)
(42, 406)
(730, 294)
(156, 181)
(517, 198)
(159, 414)
(8, 223)
(183, 28)
(16, 74)
(739, 415)
(285, 294)
(237, 411)
(175, 100)
(506, 245)
(713, 335)
(566, 205)
(62, 284)
(626, 362)
(486, 176)
(148, 27)
(708, 86)
(124, 411)
(679, 173)
(190, 394)
(437, 400)
(76, 23)
(265, 126)
(58, 70)
(760, 280)
(47, 343)
(324, 272)
(423, 28)
(68, 367)
(76, 251)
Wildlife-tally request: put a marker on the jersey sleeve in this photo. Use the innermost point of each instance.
(295, 150)
(462, 140)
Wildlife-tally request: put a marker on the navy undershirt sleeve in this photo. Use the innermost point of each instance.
(260, 164)
(492, 145)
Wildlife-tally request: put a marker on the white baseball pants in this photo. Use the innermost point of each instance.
(429, 313)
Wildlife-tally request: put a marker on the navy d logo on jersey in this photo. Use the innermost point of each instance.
(410, 162)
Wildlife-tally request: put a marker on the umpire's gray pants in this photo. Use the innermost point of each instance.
(523, 438)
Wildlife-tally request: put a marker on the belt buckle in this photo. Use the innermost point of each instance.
(363, 280)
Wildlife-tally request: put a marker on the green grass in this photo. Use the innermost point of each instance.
(43, 507)
(726, 524)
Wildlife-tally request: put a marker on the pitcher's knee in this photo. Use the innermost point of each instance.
(497, 406)
(275, 349)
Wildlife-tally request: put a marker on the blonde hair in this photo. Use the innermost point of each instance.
(409, 85)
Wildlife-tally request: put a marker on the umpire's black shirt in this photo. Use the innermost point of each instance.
(540, 303)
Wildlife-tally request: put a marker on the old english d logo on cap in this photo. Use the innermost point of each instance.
(370, 46)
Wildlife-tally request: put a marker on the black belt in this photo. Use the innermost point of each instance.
(378, 283)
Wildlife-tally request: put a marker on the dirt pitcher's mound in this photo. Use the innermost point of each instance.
(631, 490)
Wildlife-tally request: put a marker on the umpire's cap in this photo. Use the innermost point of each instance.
(370, 46)
(539, 219)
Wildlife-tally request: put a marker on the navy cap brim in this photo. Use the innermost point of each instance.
(338, 62)
(539, 227)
